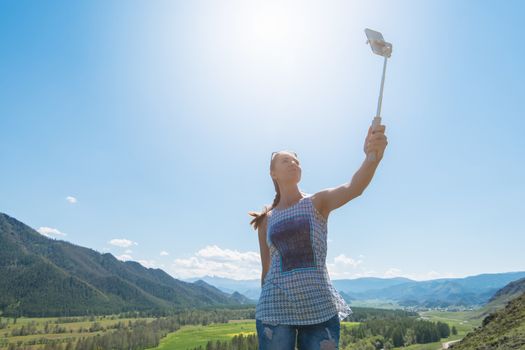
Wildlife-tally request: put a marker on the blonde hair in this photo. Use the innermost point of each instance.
(259, 216)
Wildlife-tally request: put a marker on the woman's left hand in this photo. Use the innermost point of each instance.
(376, 141)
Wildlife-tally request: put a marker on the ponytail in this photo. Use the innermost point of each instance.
(260, 216)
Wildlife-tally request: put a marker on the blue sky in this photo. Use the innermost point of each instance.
(144, 129)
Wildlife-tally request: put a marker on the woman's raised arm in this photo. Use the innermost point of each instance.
(333, 198)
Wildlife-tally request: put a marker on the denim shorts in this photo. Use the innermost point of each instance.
(320, 336)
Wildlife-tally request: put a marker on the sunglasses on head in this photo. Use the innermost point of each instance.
(274, 153)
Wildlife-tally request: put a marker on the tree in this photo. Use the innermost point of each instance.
(444, 329)
(397, 337)
(410, 337)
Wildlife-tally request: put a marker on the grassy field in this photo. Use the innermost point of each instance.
(376, 303)
(189, 337)
(464, 321)
(73, 330)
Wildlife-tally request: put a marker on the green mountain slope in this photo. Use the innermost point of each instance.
(503, 329)
(40, 276)
(503, 325)
(509, 292)
(498, 301)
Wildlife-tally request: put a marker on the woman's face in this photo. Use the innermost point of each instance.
(286, 168)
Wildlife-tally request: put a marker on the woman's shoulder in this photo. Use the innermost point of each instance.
(317, 203)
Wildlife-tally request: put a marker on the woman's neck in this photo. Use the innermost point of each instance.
(289, 196)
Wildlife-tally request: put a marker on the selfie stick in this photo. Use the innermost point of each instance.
(381, 48)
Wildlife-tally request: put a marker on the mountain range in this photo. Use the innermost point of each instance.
(40, 276)
(471, 291)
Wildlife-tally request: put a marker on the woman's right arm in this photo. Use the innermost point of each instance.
(265, 251)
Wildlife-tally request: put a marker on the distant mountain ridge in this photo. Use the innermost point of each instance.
(367, 284)
(40, 276)
(248, 288)
(470, 291)
(444, 292)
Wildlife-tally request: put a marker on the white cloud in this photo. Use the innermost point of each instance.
(125, 257)
(50, 232)
(143, 262)
(148, 263)
(215, 261)
(218, 254)
(342, 259)
(392, 272)
(222, 262)
(71, 199)
(122, 242)
(344, 267)
(128, 251)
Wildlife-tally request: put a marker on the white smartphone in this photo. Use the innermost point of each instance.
(378, 44)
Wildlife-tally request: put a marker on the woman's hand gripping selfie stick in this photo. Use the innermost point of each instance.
(382, 48)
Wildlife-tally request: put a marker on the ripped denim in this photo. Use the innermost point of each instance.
(320, 336)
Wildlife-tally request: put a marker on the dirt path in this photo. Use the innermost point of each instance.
(447, 344)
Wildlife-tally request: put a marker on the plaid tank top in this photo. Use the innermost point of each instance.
(297, 289)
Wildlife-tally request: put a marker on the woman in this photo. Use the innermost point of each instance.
(298, 304)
